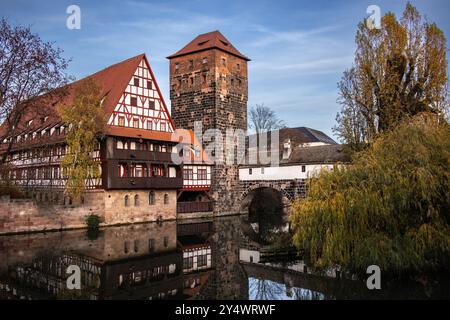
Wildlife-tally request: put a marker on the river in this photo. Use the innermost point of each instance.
(198, 259)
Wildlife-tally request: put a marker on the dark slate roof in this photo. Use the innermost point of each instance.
(300, 135)
(305, 135)
(331, 153)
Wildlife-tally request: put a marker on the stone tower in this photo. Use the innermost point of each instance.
(209, 83)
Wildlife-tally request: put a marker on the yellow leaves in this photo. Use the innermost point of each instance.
(388, 208)
(86, 119)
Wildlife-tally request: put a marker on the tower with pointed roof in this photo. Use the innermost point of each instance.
(209, 83)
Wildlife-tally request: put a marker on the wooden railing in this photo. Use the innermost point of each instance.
(194, 206)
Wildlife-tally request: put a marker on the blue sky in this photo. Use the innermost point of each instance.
(299, 49)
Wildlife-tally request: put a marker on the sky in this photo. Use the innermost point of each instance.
(298, 49)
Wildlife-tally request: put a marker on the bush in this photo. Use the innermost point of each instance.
(390, 207)
(93, 222)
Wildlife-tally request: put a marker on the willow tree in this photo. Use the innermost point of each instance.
(86, 120)
(390, 207)
(399, 70)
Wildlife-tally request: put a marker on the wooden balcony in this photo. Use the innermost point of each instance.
(145, 183)
(141, 155)
(194, 206)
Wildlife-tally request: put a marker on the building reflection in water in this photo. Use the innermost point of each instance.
(145, 261)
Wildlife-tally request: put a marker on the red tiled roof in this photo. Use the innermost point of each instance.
(111, 80)
(207, 41)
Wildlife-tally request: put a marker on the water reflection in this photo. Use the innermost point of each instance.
(205, 259)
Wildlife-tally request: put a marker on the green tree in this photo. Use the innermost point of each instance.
(390, 207)
(399, 70)
(86, 120)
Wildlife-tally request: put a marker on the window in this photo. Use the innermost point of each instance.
(139, 171)
(188, 263)
(303, 168)
(238, 66)
(204, 78)
(205, 60)
(125, 247)
(122, 170)
(163, 126)
(202, 260)
(151, 198)
(191, 63)
(223, 61)
(262, 170)
(201, 174)
(121, 121)
(119, 144)
(151, 104)
(136, 82)
(250, 171)
(149, 125)
(136, 200)
(151, 245)
(135, 123)
(133, 145)
(166, 199)
(149, 84)
(166, 241)
(136, 245)
(126, 201)
(191, 81)
(177, 66)
(133, 101)
(188, 174)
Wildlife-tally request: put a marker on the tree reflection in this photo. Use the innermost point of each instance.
(261, 289)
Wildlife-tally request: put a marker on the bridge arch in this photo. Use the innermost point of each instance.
(249, 192)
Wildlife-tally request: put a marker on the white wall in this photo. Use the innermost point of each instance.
(282, 173)
(244, 255)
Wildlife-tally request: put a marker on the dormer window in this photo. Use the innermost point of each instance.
(287, 149)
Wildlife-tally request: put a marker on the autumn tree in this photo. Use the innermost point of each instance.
(390, 207)
(264, 119)
(86, 120)
(399, 70)
(29, 67)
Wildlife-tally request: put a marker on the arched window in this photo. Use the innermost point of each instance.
(166, 198)
(126, 201)
(136, 200)
(151, 198)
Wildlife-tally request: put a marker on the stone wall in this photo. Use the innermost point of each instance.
(26, 215)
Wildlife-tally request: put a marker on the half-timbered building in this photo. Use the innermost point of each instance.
(135, 153)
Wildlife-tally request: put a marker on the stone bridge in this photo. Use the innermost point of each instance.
(289, 190)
